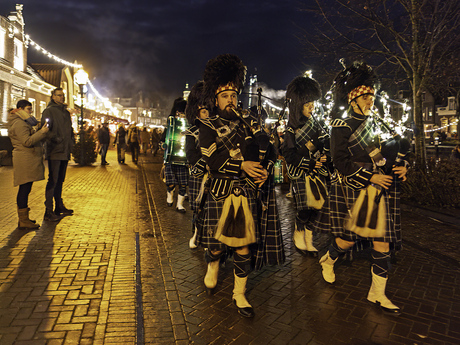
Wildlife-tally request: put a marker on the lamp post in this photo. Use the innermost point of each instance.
(81, 78)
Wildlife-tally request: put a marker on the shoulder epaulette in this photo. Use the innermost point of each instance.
(209, 122)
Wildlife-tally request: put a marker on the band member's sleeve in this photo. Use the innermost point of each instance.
(342, 158)
(221, 160)
(192, 150)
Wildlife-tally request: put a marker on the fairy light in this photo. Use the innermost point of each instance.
(51, 56)
(445, 126)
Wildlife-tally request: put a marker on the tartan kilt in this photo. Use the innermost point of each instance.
(268, 248)
(176, 174)
(194, 185)
(299, 189)
(334, 213)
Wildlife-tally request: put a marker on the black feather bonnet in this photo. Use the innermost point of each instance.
(301, 90)
(178, 106)
(194, 102)
(356, 80)
(224, 72)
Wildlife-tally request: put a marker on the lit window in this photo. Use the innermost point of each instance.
(2, 42)
(18, 55)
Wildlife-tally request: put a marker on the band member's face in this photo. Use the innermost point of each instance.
(203, 113)
(227, 100)
(308, 109)
(363, 104)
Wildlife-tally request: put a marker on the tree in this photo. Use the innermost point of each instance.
(417, 39)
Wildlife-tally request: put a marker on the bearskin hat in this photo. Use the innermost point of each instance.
(178, 106)
(194, 102)
(301, 90)
(347, 83)
(224, 72)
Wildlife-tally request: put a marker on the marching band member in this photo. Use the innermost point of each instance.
(175, 162)
(198, 174)
(355, 213)
(230, 148)
(304, 149)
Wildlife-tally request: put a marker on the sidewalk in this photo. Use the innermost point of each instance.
(120, 271)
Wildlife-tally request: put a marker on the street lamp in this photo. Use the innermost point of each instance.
(81, 78)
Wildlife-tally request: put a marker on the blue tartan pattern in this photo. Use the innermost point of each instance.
(176, 175)
(268, 249)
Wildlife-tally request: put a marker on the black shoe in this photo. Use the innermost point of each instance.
(50, 216)
(246, 311)
(63, 211)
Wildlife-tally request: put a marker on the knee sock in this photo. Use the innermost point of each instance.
(210, 257)
(335, 251)
(242, 264)
(380, 263)
(182, 190)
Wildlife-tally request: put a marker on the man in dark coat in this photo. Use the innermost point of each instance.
(58, 147)
(104, 140)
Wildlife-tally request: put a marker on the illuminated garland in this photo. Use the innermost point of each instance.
(51, 56)
(445, 126)
(105, 100)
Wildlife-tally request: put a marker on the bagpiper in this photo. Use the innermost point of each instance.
(240, 160)
(196, 109)
(363, 202)
(306, 150)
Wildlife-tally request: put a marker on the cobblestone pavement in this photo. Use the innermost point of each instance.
(120, 271)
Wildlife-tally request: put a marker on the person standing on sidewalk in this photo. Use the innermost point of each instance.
(133, 142)
(354, 213)
(120, 141)
(58, 146)
(27, 157)
(145, 140)
(175, 161)
(198, 173)
(231, 147)
(104, 140)
(155, 141)
(305, 148)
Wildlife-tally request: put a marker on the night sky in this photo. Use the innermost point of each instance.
(161, 45)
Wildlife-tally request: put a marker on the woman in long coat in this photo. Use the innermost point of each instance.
(27, 157)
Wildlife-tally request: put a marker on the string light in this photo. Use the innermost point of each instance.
(445, 126)
(51, 56)
(105, 100)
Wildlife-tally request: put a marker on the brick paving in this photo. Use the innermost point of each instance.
(75, 282)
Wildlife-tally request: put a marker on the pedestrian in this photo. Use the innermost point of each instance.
(232, 148)
(92, 134)
(120, 141)
(354, 213)
(156, 137)
(196, 109)
(455, 155)
(133, 142)
(58, 146)
(104, 140)
(306, 150)
(145, 140)
(27, 157)
(175, 161)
